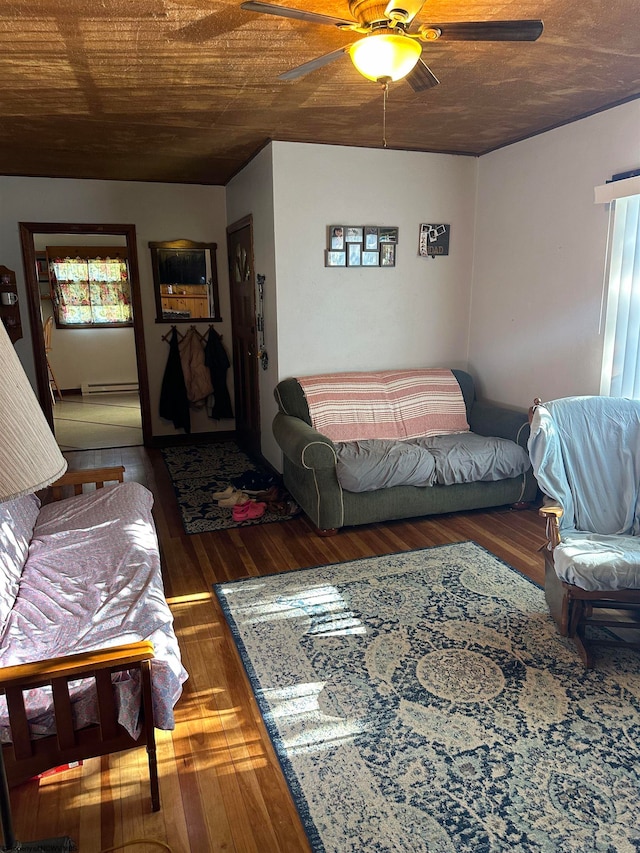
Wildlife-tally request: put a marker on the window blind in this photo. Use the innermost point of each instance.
(621, 353)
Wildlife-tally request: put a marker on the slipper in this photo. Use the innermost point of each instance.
(248, 511)
(237, 498)
(226, 493)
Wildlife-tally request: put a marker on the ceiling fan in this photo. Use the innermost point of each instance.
(391, 47)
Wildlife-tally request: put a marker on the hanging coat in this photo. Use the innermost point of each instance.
(217, 361)
(196, 375)
(174, 403)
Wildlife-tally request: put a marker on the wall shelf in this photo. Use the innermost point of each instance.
(9, 305)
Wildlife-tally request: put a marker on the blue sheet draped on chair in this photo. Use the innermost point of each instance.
(585, 454)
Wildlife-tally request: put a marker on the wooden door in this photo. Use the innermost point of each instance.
(245, 345)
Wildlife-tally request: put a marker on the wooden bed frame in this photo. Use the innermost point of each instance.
(26, 756)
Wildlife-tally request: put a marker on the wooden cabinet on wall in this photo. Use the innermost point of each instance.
(191, 298)
(9, 305)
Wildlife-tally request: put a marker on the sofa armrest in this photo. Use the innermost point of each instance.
(500, 422)
(303, 445)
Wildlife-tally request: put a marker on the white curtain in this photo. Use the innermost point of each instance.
(621, 355)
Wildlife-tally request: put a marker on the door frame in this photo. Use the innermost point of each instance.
(27, 232)
(246, 221)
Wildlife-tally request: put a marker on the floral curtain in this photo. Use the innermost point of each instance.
(91, 291)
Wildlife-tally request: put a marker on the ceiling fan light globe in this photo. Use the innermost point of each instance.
(385, 55)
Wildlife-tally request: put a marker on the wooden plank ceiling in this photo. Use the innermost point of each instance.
(187, 90)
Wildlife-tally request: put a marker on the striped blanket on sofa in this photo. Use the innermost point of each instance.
(389, 404)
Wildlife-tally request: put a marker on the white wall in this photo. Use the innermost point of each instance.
(159, 212)
(540, 257)
(414, 314)
(527, 327)
(91, 355)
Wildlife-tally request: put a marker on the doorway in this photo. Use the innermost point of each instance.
(245, 346)
(28, 232)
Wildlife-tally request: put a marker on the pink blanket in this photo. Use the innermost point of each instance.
(390, 404)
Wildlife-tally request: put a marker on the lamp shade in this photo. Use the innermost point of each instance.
(30, 459)
(385, 56)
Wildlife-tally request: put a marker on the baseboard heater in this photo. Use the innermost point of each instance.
(106, 387)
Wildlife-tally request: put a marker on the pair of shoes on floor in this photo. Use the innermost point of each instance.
(278, 501)
(225, 493)
(248, 511)
(230, 497)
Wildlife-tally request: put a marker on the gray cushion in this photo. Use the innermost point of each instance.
(364, 466)
(470, 458)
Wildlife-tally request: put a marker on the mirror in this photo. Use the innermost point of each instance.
(185, 280)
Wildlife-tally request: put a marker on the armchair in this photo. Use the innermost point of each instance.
(585, 453)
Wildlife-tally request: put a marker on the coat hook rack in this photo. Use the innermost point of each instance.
(166, 338)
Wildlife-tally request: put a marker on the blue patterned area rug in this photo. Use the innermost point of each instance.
(199, 470)
(424, 702)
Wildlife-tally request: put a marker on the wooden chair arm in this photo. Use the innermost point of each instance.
(77, 479)
(552, 513)
(28, 755)
(75, 666)
(551, 509)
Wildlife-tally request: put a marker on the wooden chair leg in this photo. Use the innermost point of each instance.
(584, 651)
(52, 379)
(558, 599)
(147, 706)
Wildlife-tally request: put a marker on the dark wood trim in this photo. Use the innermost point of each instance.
(243, 385)
(27, 231)
(241, 223)
(35, 320)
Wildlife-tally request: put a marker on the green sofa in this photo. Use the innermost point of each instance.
(309, 468)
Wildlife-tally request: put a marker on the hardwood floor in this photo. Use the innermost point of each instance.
(220, 783)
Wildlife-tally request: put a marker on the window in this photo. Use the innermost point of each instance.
(89, 286)
(621, 352)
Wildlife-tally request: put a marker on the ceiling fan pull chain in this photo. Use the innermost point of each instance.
(385, 89)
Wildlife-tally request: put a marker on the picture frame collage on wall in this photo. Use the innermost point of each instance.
(434, 239)
(361, 246)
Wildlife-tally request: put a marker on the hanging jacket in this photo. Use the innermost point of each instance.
(196, 374)
(217, 360)
(174, 403)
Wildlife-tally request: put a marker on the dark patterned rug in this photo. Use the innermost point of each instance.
(424, 702)
(199, 470)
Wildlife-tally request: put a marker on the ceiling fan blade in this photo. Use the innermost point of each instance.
(403, 10)
(487, 30)
(422, 77)
(318, 62)
(298, 14)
